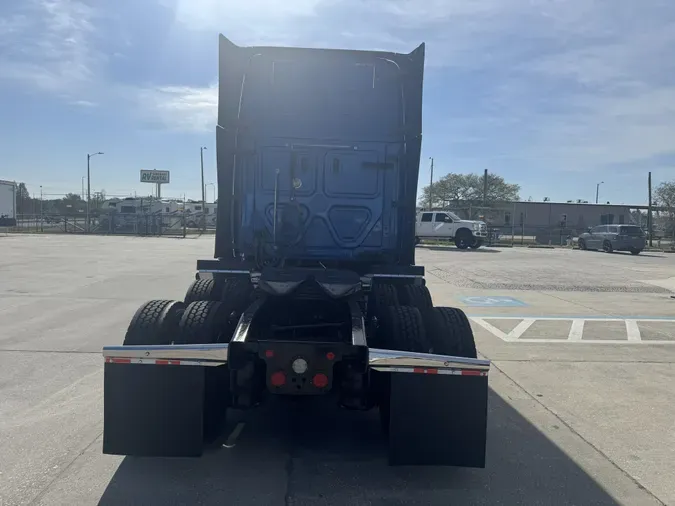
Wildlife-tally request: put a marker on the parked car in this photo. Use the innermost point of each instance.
(611, 238)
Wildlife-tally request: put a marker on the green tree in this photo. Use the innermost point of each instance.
(467, 189)
(664, 196)
(24, 204)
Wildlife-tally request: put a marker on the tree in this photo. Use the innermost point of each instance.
(664, 196)
(24, 204)
(453, 190)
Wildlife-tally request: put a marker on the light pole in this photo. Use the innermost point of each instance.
(41, 213)
(597, 191)
(431, 185)
(201, 157)
(89, 186)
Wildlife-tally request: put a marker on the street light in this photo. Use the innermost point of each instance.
(214, 190)
(89, 156)
(201, 157)
(597, 190)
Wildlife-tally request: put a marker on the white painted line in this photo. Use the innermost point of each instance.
(589, 319)
(490, 328)
(592, 341)
(576, 331)
(633, 331)
(519, 329)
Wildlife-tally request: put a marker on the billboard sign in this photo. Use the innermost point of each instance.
(155, 176)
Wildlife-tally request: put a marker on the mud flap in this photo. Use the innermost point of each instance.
(438, 420)
(153, 410)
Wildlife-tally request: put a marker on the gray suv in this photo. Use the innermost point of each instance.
(614, 238)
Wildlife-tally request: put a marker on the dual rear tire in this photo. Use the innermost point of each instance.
(415, 325)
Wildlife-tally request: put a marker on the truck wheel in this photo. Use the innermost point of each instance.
(463, 239)
(203, 289)
(449, 332)
(477, 243)
(401, 329)
(416, 296)
(237, 293)
(204, 322)
(155, 322)
(382, 296)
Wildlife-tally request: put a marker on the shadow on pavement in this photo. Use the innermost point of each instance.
(300, 455)
(454, 249)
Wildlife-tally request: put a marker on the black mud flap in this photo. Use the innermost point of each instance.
(438, 420)
(153, 410)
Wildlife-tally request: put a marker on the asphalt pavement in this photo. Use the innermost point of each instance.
(581, 398)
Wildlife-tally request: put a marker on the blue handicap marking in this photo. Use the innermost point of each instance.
(492, 301)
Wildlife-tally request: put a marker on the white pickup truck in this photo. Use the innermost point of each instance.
(444, 225)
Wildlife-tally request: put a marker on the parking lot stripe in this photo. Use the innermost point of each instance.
(490, 328)
(633, 331)
(576, 331)
(520, 329)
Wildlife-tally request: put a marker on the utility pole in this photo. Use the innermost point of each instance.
(89, 156)
(431, 185)
(201, 156)
(485, 188)
(41, 214)
(597, 191)
(649, 210)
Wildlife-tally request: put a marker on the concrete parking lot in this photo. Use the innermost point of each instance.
(581, 404)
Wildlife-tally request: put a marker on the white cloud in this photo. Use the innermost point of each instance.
(49, 46)
(556, 83)
(181, 108)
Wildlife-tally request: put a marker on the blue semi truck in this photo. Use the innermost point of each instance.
(313, 289)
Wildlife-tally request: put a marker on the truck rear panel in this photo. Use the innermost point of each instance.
(318, 152)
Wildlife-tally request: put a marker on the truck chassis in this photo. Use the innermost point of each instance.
(372, 341)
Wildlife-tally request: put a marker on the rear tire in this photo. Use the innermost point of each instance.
(237, 293)
(203, 289)
(582, 244)
(607, 247)
(450, 333)
(635, 251)
(401, 328)
(416, 296)
(204, 322)
(382, 297)
(154, 323)
(207, 322)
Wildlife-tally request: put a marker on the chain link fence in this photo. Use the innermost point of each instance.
(158, 224)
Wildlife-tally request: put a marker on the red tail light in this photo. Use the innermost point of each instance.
(320, 380)
(278, 379)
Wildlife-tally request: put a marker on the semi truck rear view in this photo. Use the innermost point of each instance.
(313, 289)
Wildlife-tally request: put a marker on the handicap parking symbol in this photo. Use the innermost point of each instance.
(492, 301)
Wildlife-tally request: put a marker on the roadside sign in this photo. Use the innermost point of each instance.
(492, 301)
(155, 176)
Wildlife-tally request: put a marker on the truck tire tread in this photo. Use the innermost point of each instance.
(403, 329)
(449, 332)
(202, 289)
(203, 322)
(415, 295)
(155, 322)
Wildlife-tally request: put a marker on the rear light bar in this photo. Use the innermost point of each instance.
(210, 355)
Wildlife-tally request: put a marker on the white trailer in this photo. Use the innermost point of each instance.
(7, 203)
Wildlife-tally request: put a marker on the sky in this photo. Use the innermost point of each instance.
(555, 95)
